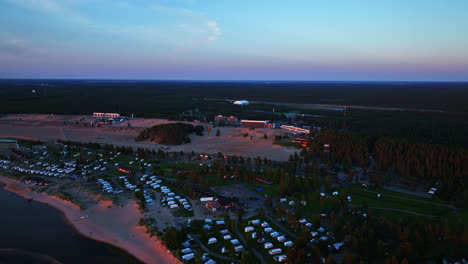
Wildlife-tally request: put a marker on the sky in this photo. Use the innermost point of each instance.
(307, 40)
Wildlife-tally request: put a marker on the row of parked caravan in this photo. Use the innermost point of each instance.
(188, 254)
(148, 199)
(37, 172)
(128, 185)
(151, 181)
(170, 198)
(44, 169)
(225, 235)
(107, 187)
(5, 164)
(267, 230)
(173, 201)
(140, 162)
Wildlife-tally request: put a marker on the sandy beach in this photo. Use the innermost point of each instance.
(104, 222)
(49, 128)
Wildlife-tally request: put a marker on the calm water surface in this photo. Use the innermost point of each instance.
(32, 232)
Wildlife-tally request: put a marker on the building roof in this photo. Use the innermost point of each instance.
(253, 121)
(241, 102)
(213, 204)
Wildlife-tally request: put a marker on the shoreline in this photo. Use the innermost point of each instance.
(102, 224)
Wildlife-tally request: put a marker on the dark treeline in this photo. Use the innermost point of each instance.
(191, 101)
(97, 146)
(344, 147)
(172, 134)
(443, 96)
(415, 163)
(427, 163)
(379, 240)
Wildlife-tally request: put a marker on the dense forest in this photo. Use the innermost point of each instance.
(171, 134)
(445, 123)
(415, 163)
(438, 96)
(446, 167)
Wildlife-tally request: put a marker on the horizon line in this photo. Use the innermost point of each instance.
(228, 80)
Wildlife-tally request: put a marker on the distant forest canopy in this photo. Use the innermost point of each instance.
(173, 100)
(171, 134)
(415, 163)
(438, 96)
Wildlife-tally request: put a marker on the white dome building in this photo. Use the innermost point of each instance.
(241, 102)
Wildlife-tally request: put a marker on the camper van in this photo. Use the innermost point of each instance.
(238, 248)
(288, 244)
(254, 222)
(188, 256)
(274, 234)
(275, 251)
(280, 258)
(267, 245)
(186, 251)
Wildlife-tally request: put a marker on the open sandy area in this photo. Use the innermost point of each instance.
(116, 225)
(49, 128)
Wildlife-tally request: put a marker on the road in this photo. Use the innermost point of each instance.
(253, 250)
(195, 237)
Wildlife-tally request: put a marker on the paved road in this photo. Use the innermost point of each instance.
(211, 252)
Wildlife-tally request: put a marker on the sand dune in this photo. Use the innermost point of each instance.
(231, 141)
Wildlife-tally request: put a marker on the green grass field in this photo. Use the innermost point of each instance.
(360, 196)
(404, 195)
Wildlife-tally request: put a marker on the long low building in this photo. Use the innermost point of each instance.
(97, 114)
(253, 123)
(226, 120)
(241, 102)
(295, 129)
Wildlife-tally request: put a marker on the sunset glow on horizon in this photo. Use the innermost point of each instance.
(336, 40)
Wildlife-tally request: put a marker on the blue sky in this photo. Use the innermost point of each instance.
(421, 40)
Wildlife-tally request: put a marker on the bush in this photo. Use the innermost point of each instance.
(172, 134)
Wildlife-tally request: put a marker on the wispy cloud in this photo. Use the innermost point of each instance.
(12, 47)
(187, 28)
(200, 23)
(58, 8)
(216, 31)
